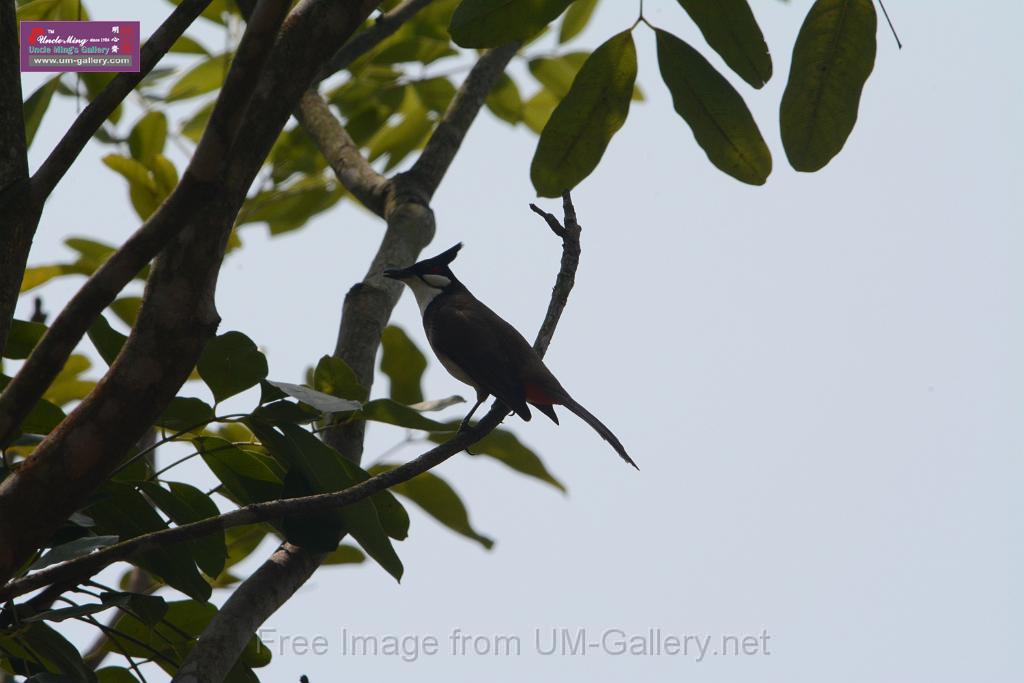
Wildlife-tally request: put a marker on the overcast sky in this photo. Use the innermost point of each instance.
(820, 379)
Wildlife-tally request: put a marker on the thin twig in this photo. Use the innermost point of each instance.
(892, 28)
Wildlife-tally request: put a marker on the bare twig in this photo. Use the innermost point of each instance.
(80, 569)
(93, 116)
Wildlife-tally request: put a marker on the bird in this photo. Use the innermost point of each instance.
(479, 348)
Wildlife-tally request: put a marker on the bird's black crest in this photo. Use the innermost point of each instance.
(448, 255)
(440, 262)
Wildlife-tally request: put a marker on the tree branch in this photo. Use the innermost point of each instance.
(82, 568)
(97, 111)
(261, 594)
(19, 217)
(351, 167)
(440, 150)
(178, 314)
(224, 127)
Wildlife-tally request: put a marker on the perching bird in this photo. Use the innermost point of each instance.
(480, 349)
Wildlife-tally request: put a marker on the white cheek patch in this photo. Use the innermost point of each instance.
(424, 293)
(439, 281)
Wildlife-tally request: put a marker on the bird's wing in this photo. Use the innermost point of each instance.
(483, 346)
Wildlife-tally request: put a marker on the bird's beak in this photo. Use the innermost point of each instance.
(396, 273)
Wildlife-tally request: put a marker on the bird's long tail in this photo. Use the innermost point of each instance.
(599, 427)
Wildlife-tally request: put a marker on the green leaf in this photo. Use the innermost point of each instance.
(409, 133)
(115, 674)
(557, 73)
(576, 19)
(323, 469)
(204, 77)
(106, 339)
(294, 152)
(248, 476)
(403, 363)
(148, 137)
(22, 338)
(404, 47)
(230, 364)
(35, 106)
(492, 23)
(185, 504)
(285, 208)
(280, 412)
(393, 515)
(334, 376)
(39, 275)
(537, 110)
(504, 100)
(150, 609)
(439, 500)
(506, 448)
(715, 112)
(68, 386)
(187, 45)
(579, 130)
(325, 403)
(164, 174)
(345, 554)
(391, 412)
(142, 188)
(172, 637)
(185, 413)
(435, 93)
(732, 31)
(832, 59)
(194, 126)
(119, 509)
(43, 417)
(72, 549)
(40, 644)
(127, 309)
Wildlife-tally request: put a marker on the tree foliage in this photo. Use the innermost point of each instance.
(391, 98)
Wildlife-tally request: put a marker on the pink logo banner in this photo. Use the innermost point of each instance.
(80, 46)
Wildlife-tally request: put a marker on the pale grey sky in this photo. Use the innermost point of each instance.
(820, 379)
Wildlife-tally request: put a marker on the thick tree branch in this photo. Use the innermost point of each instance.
(82, 568)
(443, 144)
(224, 127)
(93, 116)
(177, 315)
(353, 170)
(261, 594)
(19, 217)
